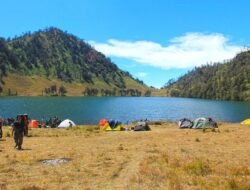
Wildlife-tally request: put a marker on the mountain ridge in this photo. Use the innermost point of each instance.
(220, 81)
(58, 55)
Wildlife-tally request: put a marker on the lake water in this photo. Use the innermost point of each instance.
(89, 110)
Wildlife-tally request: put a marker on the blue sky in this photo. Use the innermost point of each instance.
(153, 40)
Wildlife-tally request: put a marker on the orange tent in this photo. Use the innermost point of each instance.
(103, 122)
(33, 124)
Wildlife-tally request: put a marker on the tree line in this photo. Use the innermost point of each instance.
(114, 92)
(53, 90)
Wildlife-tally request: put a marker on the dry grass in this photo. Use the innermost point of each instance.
(34, 85)
(164, 158)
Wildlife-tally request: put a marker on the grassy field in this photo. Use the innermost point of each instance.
(164, 158)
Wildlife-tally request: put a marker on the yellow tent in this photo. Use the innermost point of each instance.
(105, 126)
(108, 128)
(245, 122)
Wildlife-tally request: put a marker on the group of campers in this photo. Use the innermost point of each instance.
(52, 122)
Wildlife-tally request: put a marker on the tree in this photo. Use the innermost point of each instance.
(62, 90)
(53, 89)
(147, 93)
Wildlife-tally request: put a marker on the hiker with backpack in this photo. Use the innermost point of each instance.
(19, 130)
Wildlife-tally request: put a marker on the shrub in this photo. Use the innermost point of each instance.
(197, 140)
(233, 185)
(198, 167)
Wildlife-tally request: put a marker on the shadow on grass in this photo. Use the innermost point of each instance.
(26, 149)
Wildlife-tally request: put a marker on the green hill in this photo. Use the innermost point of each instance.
(222, 81)
(53, 62)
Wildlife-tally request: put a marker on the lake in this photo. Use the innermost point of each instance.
(89, 110)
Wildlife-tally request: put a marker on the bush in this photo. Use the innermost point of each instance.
(233, 185)
(197, 140)
(198, 167)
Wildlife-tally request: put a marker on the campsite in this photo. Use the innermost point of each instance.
(164, 158)
(124, 95)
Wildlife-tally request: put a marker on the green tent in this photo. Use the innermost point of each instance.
(202, 122)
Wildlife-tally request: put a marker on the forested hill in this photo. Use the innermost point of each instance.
(52, 54)
(228, 81)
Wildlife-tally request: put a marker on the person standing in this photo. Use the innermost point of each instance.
(1, 129)
(26, 124)
(19, 130)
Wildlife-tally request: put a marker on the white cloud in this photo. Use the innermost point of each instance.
(142, 74)
(192, 49)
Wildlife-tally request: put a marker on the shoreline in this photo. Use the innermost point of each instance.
(151, 96)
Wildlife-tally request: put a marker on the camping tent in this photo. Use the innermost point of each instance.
(33, 124)
(103, 122)
(202, 122)
(185, 123)
(111, 125)
(142, 126)
(66, 123)
(245, 122)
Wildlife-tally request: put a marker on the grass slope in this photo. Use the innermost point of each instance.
(34, 85)
(164, 158)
